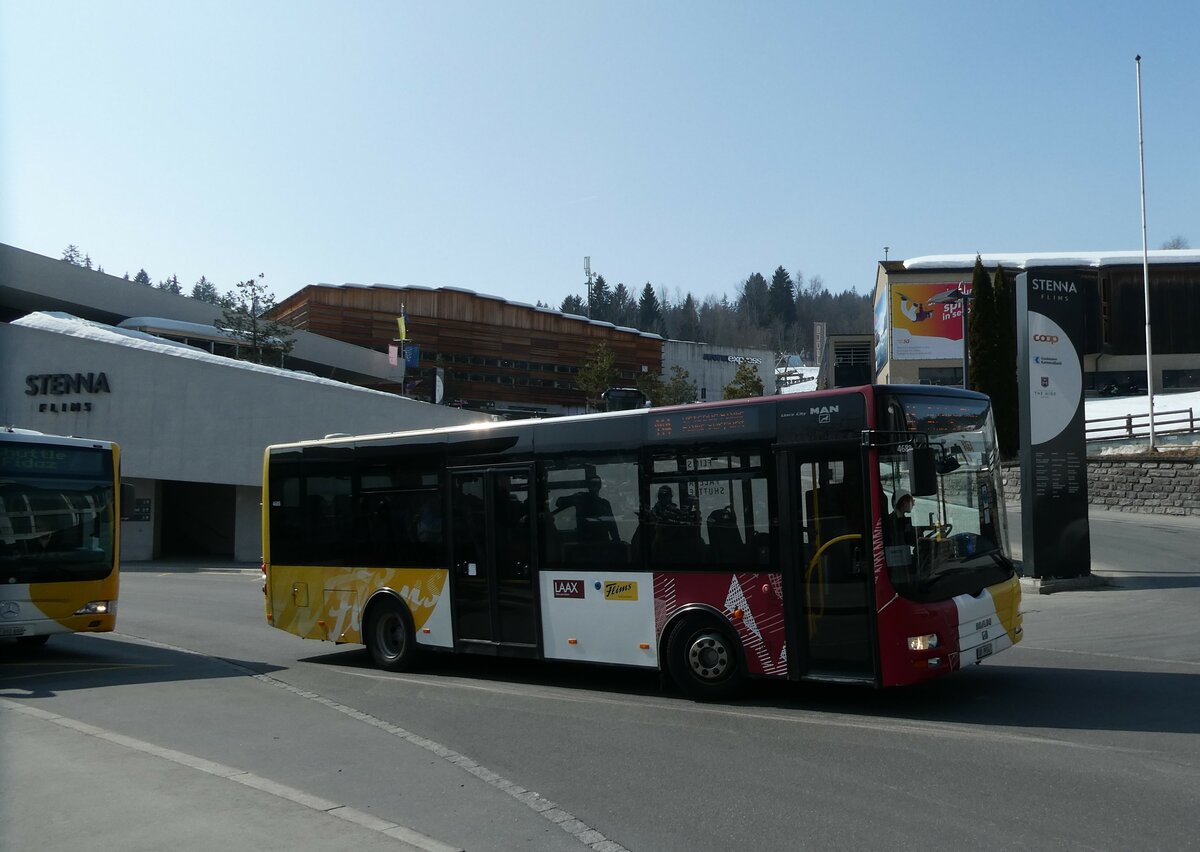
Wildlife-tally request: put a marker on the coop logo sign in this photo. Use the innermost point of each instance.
(66, 384)
(1045, 338)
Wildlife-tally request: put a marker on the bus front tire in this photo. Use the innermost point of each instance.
(704, 659)
(390, 637)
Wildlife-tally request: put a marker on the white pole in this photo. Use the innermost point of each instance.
(1145, 254)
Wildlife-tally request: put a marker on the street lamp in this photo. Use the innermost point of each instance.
(963, 298)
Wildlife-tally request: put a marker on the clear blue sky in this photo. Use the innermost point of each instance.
(493, 145)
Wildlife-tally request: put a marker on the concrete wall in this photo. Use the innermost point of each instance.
(190, 419)
(1158, 485)
(712, 374)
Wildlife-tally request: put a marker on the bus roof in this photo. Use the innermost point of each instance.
(613, 417)
(29, 436)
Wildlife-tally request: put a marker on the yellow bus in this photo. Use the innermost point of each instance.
(59, 535)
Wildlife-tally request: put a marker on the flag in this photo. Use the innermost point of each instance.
(402, 323)
(393, 354)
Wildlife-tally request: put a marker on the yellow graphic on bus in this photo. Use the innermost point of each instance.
(328, 603)
(620, 590)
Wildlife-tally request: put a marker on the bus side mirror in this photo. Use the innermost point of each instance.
(126, 501)
(922, 471)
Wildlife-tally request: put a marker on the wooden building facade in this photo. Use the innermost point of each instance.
(495, 355)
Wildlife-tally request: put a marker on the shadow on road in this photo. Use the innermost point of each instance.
(1009, 697)
(80, 661)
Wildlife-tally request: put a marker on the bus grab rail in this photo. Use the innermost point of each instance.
(812, 564)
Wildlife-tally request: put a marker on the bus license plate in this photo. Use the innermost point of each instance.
(984, 650)
(11, 630)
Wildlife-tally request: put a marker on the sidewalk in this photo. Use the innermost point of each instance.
(163, 799)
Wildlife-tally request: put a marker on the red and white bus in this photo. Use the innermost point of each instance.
(748, 538)
(59, 535)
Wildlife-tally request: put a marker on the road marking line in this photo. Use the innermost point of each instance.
(395, 831)
(582, 832)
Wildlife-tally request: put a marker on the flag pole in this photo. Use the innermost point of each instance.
(1145, 253)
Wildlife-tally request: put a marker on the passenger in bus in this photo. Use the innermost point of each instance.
(898, 526)
(594, 519)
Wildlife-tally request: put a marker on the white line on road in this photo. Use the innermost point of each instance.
(407, 836)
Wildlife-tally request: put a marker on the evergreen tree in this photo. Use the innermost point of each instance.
(650, 315)
(623, 307)
(86, 263)
(171, 285)
(781, 298)
(205, 291)
(982, 328)
(755, 300)
(746, 383)
(680, 388)
(72, 255)
(992, 348)
(689, 320)
(1006, 400)
(244, 317)
(597, 375)
(599, 300)
(573, 305)
(142, 278)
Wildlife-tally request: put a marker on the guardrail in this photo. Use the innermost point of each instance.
(1176, 422)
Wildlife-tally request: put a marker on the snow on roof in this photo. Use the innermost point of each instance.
(61, 323)
(1025, 260)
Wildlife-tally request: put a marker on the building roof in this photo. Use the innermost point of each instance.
(1026, 260)
(62, 323)
(501, 299)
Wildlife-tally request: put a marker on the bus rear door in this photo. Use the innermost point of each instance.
(492, 554)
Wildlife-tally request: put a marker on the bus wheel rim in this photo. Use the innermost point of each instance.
(391, 635)
(709, 657)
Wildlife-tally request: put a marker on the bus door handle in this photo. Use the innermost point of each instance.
(858, 565)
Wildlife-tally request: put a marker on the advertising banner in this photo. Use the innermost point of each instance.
(924, 330)
(1054, 519)
(881, 331)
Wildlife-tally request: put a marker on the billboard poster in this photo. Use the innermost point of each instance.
(1054, 520)
(923, 329)
(881, 330)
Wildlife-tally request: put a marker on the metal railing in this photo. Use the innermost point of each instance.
(1177, 422)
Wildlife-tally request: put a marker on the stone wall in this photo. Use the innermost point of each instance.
(1150, 485)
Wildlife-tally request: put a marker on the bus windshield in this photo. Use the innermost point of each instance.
(955, 541)
(56, 514)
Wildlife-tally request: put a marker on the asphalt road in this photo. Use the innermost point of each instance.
(1084, 735)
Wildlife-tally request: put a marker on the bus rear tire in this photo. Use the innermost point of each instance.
(390, 636)
(704, 659)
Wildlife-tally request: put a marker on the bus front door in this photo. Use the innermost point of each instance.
(830, 595)
(491, 543)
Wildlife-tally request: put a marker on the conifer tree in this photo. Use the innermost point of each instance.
(746, 383)
(245, 319)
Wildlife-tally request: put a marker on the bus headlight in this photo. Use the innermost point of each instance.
(97, 608)
(922, 643)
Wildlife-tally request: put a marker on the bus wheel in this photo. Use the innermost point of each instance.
(389, 635)
(704, 659)
(33, 641)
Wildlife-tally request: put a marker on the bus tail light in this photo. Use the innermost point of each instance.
(922, 643)
(263, 566)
